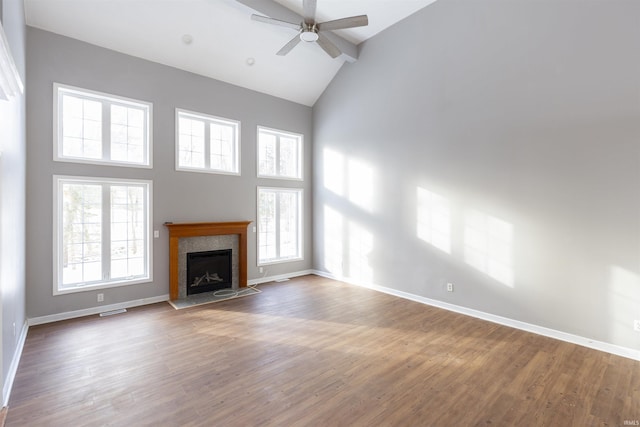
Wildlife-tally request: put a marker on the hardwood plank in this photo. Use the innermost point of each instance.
(312, 351)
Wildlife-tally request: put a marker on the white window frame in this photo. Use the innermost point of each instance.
(279, 260)
(279, 133)
(10, 82)
(58, 181)
(207, 119)
(106, 100)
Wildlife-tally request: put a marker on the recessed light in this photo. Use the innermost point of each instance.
(187, 39)
(250, 61)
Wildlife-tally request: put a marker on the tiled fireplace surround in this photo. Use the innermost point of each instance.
(204, 236)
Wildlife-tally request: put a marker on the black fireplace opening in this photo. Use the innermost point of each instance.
(208, 271)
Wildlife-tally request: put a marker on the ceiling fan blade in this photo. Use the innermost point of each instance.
(267, 20)
(289, 46)
(328, 46)
(309, 11)
(339, 24)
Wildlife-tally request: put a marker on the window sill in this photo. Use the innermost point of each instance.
(279, 261)
(98, 286)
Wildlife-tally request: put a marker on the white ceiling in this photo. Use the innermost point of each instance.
(224, 37)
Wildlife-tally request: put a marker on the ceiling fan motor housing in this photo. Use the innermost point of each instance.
(309, 33)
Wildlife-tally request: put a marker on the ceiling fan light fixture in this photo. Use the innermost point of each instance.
(310, 31)
(308, 36)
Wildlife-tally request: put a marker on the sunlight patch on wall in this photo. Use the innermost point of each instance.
(333, 168)
(433, 219)
(488, 246)
(333, 241)
(350, 178)
(360, 246)
(361, 184)
(624, 306)
(348, 246)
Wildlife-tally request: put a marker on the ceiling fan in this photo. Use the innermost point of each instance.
(311, 31)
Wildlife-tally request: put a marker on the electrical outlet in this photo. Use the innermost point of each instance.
(449, 287)
(636, 325)
(100, 297)
(261, 269)
(156, 234)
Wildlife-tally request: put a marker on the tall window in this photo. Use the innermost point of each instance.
(206, 143)
(279, 224)
(102, 233)
(279, 154)
(93, 127)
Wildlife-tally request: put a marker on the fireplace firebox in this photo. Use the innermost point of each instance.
(208, 271)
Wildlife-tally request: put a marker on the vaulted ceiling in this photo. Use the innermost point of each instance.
(218, 39)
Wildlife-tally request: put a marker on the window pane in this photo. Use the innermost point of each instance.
(267, 225)
(73, 127)
(135, 117)
(119, 267)
(207, 143)
(127, 223)
(81, 128)
(279, 154)
(83, 135)
(288, 225)
(136, 266)
(92, 110)
(279, 224)
(127, 134)
(81, 233)
(72, 107)
(103, 232)
(289, 157)
(222, 140)
(118, 115)
(267, 154)
(191, 143)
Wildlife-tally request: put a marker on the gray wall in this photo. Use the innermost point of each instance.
(177, 196)
(527, 112)
(12, 195)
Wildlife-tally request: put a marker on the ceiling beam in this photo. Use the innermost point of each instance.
(275, 10)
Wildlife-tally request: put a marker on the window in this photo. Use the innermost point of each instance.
(279, 154)
(10, 82)
(279, 224)
(101, 233)
(91, 127)
(206, 143)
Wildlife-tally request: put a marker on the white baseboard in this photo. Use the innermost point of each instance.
(13, 368)
(144, 301)
(128, 304)
(95, 310)
(540, 330)
(280, 277)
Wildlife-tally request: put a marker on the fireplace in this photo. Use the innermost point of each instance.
(193, 236)
(208, 271)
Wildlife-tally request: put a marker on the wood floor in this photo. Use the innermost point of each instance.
(313, 352)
